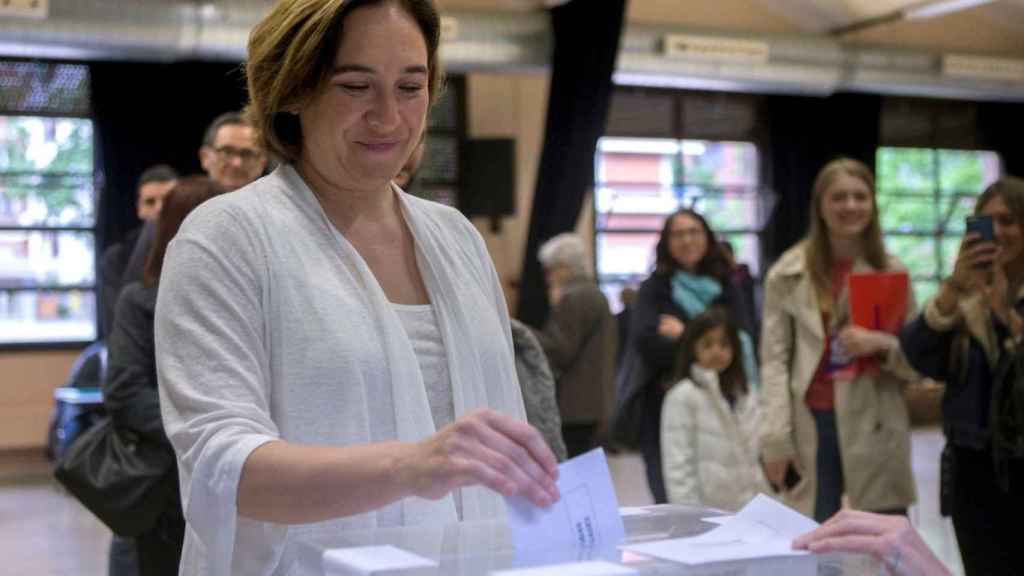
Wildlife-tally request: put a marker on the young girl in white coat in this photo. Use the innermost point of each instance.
(709, 420)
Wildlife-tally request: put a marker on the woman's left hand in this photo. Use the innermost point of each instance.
(860, 342)
(890, 539)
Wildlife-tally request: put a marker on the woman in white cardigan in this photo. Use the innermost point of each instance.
(334, 354)
(709, 421)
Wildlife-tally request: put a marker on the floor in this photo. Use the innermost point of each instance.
(45, 532)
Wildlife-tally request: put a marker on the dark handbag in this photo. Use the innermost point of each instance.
(632, 408)
(125, 480)
(627, 425)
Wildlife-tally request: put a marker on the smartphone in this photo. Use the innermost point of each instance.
(982, 225)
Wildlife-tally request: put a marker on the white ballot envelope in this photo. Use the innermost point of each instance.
(764, 528)
(587, 515)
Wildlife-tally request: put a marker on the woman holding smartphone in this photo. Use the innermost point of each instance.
(829, 424)
(969, 336)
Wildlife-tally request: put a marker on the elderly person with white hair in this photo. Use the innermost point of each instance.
(579, 339)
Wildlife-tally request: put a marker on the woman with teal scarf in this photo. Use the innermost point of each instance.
(691, 274)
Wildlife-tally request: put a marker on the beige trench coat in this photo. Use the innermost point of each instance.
(871, 411)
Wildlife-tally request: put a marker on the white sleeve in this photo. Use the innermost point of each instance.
(679, 446)
(213, 370)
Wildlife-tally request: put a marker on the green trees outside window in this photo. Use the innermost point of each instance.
(924, 194)
(47, 230)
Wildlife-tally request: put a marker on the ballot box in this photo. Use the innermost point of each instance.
(482, 548)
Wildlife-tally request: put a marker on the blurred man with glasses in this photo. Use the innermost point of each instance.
(230, 153)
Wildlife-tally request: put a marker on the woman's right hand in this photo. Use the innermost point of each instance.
(485, 447)
(775, 472)
(973, 261)
(670, 327)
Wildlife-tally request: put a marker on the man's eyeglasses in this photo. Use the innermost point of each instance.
(246, 155)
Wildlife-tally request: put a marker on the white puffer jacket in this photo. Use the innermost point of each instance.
(708, 450)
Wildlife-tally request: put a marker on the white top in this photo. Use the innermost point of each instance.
(269, 325)
(709, 449)
(423, 332)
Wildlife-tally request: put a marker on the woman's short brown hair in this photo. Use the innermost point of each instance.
(291, 54)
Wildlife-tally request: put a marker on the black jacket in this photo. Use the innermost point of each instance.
(966, 372)
(130, 391)
(649, 357)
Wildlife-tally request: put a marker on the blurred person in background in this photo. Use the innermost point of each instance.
(130, 390)
(739, 274)
(830, 424)
(231, 156)
(691, 274)
(969, 336)
(231, 153)
(154, 183)
(709, 420)
(579, 340)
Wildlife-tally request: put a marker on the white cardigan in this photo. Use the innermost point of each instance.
(709, 451)
(269, 325)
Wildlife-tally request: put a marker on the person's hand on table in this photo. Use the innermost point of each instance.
(488, 448)
(890, 539)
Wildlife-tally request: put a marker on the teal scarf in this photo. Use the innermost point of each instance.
(694, 294)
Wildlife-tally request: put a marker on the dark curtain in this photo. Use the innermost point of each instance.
(1001, 128)
(805, 133)
(586, 41)
(152, 113)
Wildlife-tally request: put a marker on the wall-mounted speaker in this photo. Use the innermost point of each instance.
(488, 185)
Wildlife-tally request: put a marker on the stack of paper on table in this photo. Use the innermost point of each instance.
(762, 529)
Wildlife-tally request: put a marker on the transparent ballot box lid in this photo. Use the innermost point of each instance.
(482, 548)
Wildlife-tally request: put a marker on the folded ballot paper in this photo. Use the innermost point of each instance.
(762, 529)
(586, 516)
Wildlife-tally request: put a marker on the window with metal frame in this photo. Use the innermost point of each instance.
(640, 181)
(924, 194)
(48, 205)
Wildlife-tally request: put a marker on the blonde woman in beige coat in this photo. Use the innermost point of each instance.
(829, 426)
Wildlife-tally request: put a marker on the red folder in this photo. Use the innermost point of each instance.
(878, 301)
